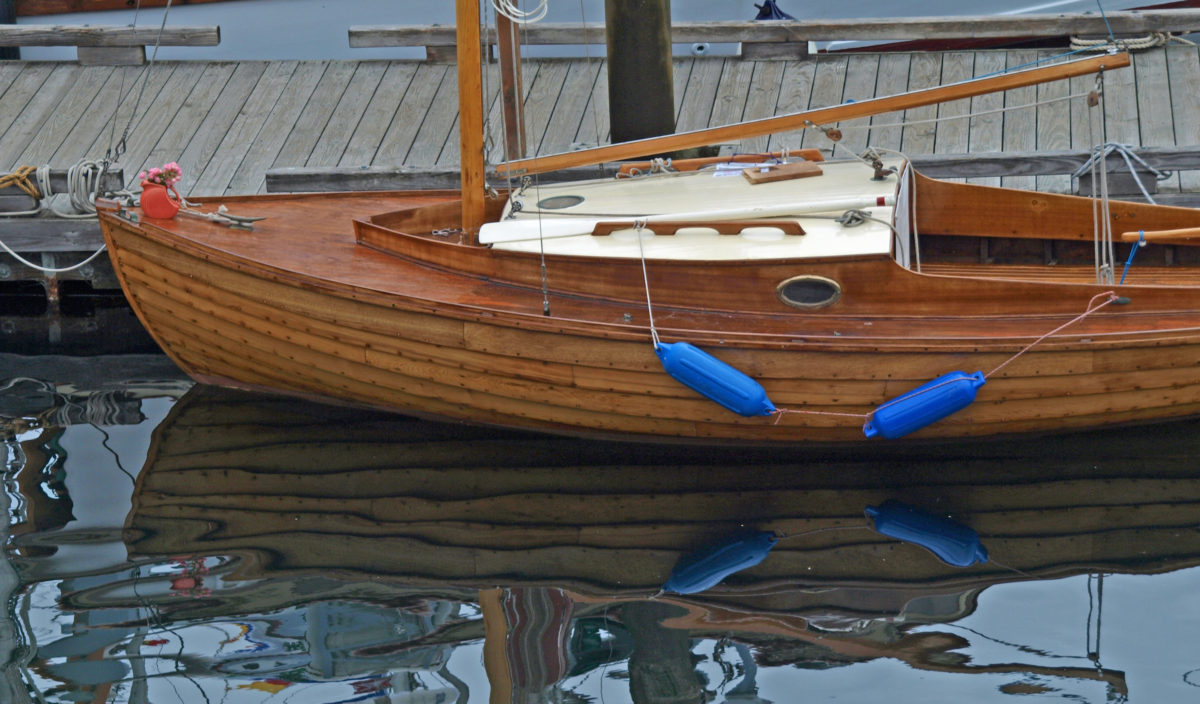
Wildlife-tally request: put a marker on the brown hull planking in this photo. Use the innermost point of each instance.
(389, 330)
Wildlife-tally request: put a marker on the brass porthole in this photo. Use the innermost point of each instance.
(809, 291)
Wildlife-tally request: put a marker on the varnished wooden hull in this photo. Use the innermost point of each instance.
(436, 328)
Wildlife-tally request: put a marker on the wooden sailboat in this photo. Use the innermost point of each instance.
(544, 307)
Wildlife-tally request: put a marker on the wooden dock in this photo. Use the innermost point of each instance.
(230, 123)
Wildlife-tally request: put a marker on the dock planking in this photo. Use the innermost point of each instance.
(227, 123)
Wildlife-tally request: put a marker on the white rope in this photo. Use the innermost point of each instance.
(639, 226)
(510, 9)
(1151, 40)
(1127, 153)
(46, 269)
(83, 182)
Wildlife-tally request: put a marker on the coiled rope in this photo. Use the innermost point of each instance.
(83, 182)
(509, 9)
(1150, 41)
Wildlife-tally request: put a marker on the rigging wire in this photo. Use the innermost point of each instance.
(117, 149)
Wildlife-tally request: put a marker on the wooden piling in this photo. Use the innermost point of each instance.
(641, 93)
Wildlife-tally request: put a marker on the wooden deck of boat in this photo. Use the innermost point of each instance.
(227, 123)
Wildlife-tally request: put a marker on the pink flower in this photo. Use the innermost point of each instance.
(168, 174)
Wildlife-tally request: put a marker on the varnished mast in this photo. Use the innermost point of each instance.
(470, 115)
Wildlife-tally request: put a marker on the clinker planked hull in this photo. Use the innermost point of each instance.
(402, 331)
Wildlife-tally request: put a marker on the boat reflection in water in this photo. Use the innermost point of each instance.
(274, 550)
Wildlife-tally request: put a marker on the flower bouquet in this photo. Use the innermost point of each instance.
(158, 185)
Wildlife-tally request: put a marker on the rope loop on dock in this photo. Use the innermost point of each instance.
(20, 179)
(1150, 41)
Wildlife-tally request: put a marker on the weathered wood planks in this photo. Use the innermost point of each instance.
(229, 123)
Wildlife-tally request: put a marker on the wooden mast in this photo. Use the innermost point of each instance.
(470, 115)
(821, 116)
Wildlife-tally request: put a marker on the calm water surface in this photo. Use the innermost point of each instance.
(169, 543)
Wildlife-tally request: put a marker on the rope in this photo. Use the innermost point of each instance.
(1133, 251)
(83, 182)
(20, 179)
(114, 152)
(1150, 41)
(509, 9)
(1126, 152)
(1092, 307)
(640, 225)
(50, 270)
(1109, 298)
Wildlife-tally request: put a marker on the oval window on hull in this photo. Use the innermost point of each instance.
(559, 202)
(809, 291)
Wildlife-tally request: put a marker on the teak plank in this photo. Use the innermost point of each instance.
(953, 132)
(729, 103)
(264, 150)
(65, 114)
(1183, 71)
(364, 143)
(593, 127)
(204, 143)
(494, 105)
(246, 127)
(795, 93)
(176, 81)
(925, 71)
(1155, 121)
(410, 113)
(987, 131)
(571, 109)
(21, 84)
(348, 115)
(1054, 131)
(188, 120)
(828, 85)
(891, 79)
(315, 115)
(762, 100)
(1020, 126)
(80, 141)
(9, 70)
(681, 73)
(541, 106)
(1121, 106)
(131, 112)
(862, 74)
(696, 110)
(439, 125)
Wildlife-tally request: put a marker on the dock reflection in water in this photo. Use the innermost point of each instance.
(230, 547)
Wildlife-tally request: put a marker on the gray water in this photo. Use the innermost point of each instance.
(240, 609)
